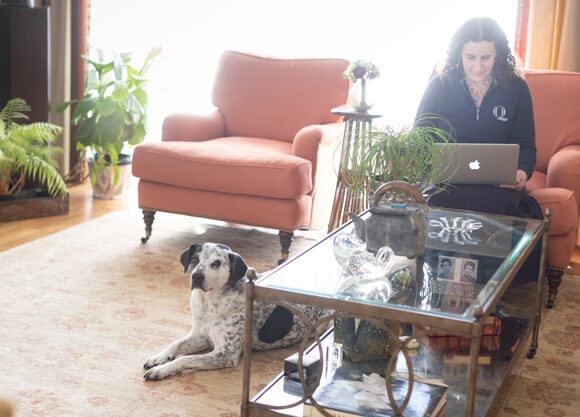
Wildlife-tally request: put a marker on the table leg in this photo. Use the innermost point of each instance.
(540, 288)
(247, 348)
(472, 377)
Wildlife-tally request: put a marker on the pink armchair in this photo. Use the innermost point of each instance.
(555, 182)
(262, 158)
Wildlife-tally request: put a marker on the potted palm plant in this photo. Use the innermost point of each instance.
(28, 166)
(111, 114)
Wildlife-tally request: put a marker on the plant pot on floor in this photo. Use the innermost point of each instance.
(31, 203)
(104, 186)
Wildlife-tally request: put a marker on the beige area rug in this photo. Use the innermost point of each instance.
(82, 309)
(549, 384)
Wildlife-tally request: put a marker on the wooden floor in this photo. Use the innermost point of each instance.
(83, 208)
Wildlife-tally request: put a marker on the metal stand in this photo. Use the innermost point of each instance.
(353, 142)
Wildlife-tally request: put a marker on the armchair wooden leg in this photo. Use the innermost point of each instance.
(554, 280)
(148, 217)
(285, 241)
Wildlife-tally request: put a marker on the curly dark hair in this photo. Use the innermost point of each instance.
(469, 263)
(480, 29)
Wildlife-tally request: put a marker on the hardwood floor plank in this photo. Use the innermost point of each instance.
(82, 207)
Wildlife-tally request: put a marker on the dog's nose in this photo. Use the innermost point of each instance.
(196, 280)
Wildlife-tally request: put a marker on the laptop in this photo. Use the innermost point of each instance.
(480, 163)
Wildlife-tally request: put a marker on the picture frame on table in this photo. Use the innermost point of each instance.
(451, 268)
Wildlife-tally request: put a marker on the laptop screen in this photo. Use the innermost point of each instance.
(479, 163)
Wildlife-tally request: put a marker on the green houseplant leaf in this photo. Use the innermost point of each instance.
(27, 152)
(113, 109)
(408, 154)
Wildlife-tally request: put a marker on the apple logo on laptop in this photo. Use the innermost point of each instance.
(474, 165)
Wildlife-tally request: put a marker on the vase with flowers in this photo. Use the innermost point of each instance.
(359, 72)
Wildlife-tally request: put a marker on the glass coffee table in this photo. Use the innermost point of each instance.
(462, 284)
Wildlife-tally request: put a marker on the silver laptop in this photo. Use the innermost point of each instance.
(480, 163)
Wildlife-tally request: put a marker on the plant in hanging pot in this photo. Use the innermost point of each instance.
(359, 72)
(111, 114)
(28, 166)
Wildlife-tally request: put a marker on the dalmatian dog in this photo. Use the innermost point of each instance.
(216, 340)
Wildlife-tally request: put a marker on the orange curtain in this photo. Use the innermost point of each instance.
(569, 50)
(521, 36)
(548, 33)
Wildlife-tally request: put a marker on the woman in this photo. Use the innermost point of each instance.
(481, 95)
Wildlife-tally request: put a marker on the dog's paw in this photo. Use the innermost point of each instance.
(158, 373)
(157, 360)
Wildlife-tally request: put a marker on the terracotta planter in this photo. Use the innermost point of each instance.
(103, 188)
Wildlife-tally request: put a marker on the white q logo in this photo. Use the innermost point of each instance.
(499, 113)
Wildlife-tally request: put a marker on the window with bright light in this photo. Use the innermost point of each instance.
(406, 39)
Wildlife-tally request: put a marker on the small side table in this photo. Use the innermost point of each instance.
(346, 200)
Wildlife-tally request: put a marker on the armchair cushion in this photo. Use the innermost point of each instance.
(235, 165)
(251, 89)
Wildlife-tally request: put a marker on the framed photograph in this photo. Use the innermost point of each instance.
(457, 278)
(446, 267)
(468, 271)
(457, 269)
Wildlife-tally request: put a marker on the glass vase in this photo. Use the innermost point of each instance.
(357, 96)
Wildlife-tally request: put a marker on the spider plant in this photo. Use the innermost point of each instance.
(409, 154)
(26, 152)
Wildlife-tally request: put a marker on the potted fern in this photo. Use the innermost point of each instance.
(28, 166)
(111, 114)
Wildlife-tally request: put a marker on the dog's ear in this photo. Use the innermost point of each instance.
(238, 268)
(188, 254)
(226, 247)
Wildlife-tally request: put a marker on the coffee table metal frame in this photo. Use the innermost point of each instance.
(463, 326)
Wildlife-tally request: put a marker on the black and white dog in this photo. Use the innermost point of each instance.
(216, 340)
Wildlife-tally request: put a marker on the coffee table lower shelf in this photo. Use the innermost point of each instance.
(450, 365)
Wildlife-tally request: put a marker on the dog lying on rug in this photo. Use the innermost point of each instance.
(216, 340)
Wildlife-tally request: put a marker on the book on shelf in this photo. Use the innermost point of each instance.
(491, 326)
(310, 367)
(352, 393)
(461, 344)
